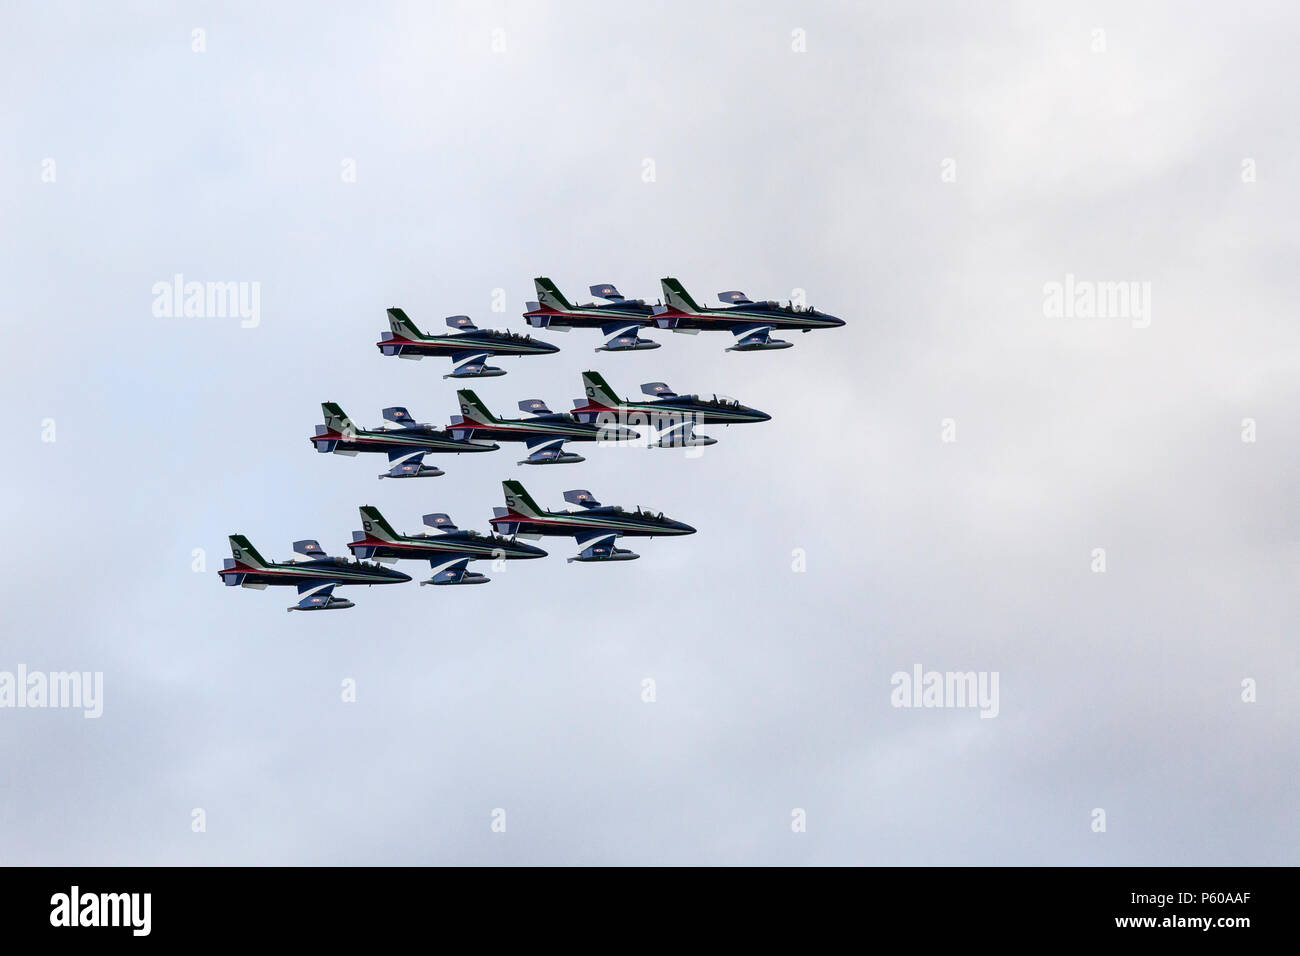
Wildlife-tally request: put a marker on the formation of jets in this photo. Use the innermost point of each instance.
(663, 418)
(620, 320)
(447, 548)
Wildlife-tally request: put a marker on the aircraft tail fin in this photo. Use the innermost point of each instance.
(374, 524)
(678, 298)
(598, 391)
(336, 419)
(550, 296)
(402, 325)
(473, 409)
(520, 501)
(243, 552)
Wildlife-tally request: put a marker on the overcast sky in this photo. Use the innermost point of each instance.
(922, 170)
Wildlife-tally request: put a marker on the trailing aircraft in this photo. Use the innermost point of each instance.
(750, 322)
(468, 348)
(594, 526)
(448, 552)
(404, 442)
(544, 433)
(315, 575)
(673, 416)
(619, 319)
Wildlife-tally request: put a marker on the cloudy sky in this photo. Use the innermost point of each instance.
(947, 466)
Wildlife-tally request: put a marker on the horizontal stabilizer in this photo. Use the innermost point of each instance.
(324, 445)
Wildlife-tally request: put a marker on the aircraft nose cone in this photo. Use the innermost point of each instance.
(399, 577)
(761, 416)
(529, 550)
(546, 348)
(833, 322)
(681, 527)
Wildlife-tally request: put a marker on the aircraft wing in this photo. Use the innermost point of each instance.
(544, 448)
(314, 594)
(448, 568)
(620, 335)
(750, 335)
(677, 432)
(404, 463)
(468, 363)
(593, 538)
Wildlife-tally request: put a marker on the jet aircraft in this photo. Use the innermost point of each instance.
(673, 416)
(750, 322)
(544, 433)
(468, 349)
(405, 442)
(448, 552)
(594, 526)
(315, 575)
(619, 319)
